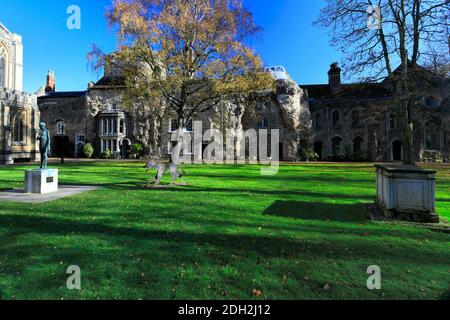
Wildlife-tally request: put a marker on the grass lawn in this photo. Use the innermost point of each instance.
(231, 231)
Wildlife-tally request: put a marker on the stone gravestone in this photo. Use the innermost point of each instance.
(43, 180)
(407, 193)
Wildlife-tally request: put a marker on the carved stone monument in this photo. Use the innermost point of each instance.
(407, 193)
(43, 180)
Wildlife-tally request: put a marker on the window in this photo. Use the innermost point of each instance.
(336, 117)
(173, 125)
(114, 126)
(357, 144)
(392, 122)
(18, 130)
(60, 128)
(336, 143)
(122, 126)
(263, 123)
(433, 136)
(2, 71)
(79, 137)
(318, 121)
(189, 127)
(355, 118)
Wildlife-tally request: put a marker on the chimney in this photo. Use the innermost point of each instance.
(334, 76)
(50, 85)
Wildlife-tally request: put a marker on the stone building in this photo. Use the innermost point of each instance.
(338, 121)
(19, 114)
(98, 116)
(360, 122)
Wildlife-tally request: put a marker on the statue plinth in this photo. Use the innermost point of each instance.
(41, 181)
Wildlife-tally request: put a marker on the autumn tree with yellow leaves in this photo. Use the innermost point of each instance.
(189, 54)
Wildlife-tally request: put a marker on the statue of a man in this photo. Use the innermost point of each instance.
(44, 144)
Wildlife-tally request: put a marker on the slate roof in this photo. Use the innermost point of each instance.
(63, 94)
(111, 81)
(348, 91)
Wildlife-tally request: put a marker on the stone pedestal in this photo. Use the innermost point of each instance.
(407, 193)
(41, 181)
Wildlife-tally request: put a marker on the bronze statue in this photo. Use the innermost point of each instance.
(44, 144)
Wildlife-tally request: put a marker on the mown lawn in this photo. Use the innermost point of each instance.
(302, 234)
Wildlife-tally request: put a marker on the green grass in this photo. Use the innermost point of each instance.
(230, 232)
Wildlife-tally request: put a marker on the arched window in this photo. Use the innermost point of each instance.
(433, 136)
(19, 130)
(336, 143)
(3, 66)
(336, 117)
(357, 144)
(355, 118)
(393, 122)
(263, 122)
(60, 128)
(318, 121)
(2, 71)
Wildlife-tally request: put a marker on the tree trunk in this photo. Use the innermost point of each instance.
(407, 133)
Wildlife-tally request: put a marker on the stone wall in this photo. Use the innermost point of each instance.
(19, 125)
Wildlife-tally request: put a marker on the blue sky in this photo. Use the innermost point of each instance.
(288, 39)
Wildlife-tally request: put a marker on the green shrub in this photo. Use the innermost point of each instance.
(88, 150)
(361, 156)
(137, 149)
(309, 155)
(107, 154)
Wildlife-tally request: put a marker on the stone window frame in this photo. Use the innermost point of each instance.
(263, 122)
(361, 139)
(18, 130)
(340, 144)
(439, 134)
(336, 122)
(5, 55)
(317, 120)
(356, 121)
(189, 127)
(60, 128)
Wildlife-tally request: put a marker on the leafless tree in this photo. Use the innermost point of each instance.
(377, 35)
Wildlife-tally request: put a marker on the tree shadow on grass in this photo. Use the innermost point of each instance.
(319, 211)
(446, 296)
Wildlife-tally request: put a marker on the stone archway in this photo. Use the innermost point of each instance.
(318, 149)
(125, 148)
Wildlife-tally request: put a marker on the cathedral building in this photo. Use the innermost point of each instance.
(19, 114)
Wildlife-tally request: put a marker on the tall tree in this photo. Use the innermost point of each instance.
(191, 54)
(377, 35)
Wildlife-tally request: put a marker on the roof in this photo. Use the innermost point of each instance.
(2, 27)
(111, 81)
(347, 91)
(63, 94)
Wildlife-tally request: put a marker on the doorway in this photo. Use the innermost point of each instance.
(318, 147)
(125, 149)
(397, 151)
